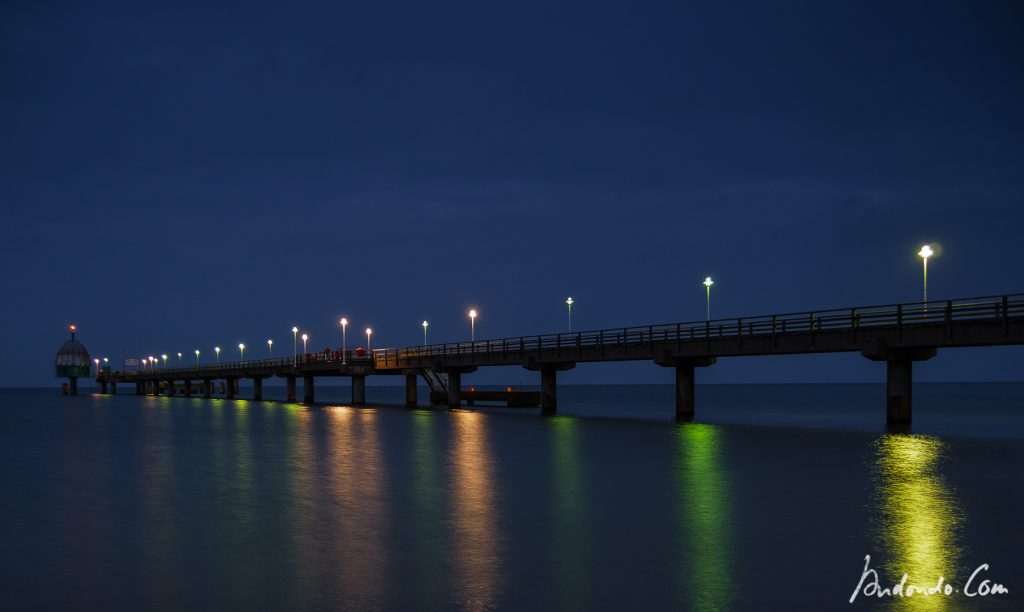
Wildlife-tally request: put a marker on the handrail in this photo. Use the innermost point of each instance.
(996, 308)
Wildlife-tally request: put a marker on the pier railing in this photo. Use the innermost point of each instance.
(998, 309)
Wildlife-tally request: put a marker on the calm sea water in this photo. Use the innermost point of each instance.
(770, 501)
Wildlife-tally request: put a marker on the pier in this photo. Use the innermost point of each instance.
(897, 334)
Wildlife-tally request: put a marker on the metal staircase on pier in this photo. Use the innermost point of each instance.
(437, 382)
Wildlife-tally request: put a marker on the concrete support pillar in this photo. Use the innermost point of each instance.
(548, 391)
(290, 384)
(154, 387)
(207, 388)
(139, 389)
(307, 389)
(229, 388)
(257, 388)
(454, 389)
(170, 388)
(188, 387)
(685, 399)
(103, 387)
(899, 366)
(358, 390)
(410, 389)
(898, 388)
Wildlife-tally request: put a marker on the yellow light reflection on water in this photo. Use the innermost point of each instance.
(478, 568)
(704, 515)
(918, 517)
(357, 476)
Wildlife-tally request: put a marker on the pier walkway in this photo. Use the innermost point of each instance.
(898, 334)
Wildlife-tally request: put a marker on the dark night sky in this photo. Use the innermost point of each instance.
(174, 177)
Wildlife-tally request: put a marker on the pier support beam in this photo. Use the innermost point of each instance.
(170, 388)
(358, 390)
(686, 378)
(548, 382)
(155, 387)
(139, 389)
(207, 388)
(410, 389)
(188, 387)
(257, 388)
(103, 387)
(290, 387)
(229, 388)
(899, 379)
(548, 391)
(454, 382)
(307, 389)
(454, 389)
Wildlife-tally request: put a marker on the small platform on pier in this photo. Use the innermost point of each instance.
(512, 398)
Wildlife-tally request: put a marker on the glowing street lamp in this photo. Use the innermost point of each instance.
(305, 338)
(925, 253)
(472, 325)
(295, 344)
(97, 362)
(344, 324)
(369, 332)
(425, 324)
(241, 351)
(197, 356)
(164, 357)
(569, 302)
(216, 349)
(270, 348)
(179, 358)
(707, 285)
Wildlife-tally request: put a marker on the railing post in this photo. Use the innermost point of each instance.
(679, 337)
(625, 342)
(899, 322)
(948, 316)
(579, 344)
(1006, 318)
(558, 344)
(774, 339)
(600, 341)
(522, 345)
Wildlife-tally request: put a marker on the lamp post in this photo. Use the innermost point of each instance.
(707, 285)
(369, 332)
(216, 349)
(925, 253)
(179, 358)
(97, 362)
(295, 345)
(197, 356)
(344, 324)
(164, 357)
(472, 325)
(569, 302)
(270, 349)
(425, 324)
(241, 351)
(305, 338)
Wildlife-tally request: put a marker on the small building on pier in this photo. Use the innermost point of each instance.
(72, 362)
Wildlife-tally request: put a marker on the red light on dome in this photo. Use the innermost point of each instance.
(73, 328)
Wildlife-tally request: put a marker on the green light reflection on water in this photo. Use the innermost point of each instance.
(705, 517)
